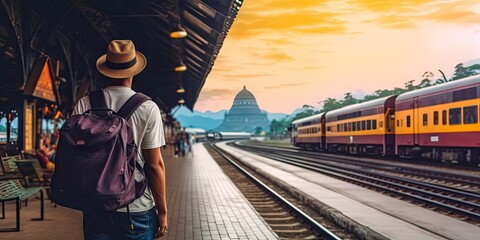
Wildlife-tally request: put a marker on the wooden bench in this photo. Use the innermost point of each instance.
(33, 173)
(12, 190)
(8, 164)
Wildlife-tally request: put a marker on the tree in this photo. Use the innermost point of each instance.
(330, 104)
(348, 99)
(463, 72)
(277, 128)
(409, 85)
(258, 130)
(460, 72)
(306, 113)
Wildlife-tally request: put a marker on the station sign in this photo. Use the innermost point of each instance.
(41, 82)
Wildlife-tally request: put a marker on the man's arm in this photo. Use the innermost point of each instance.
(156, 180)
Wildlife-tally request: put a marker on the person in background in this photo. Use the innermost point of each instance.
(55, 135)
(45, 153)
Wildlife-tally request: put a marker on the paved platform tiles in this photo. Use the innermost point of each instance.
(205, 204)
(387, 216)
(202, 202)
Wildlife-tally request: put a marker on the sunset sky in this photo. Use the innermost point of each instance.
(289, 53)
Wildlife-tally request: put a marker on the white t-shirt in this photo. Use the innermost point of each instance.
(147, 129)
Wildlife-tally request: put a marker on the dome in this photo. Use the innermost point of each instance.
(244, 94)
(244, 115)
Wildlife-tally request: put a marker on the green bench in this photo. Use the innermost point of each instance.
(12, 190)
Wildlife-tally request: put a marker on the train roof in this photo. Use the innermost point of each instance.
(307, 119)
(359, 106)
(440, 87)
(195, 130)
(234, 133)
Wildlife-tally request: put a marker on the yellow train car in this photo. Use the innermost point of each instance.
(363, 128)
(440, 122)
(309, 132)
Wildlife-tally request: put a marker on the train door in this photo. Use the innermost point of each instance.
(389, 132)
(323, 140)
(389, 147)
(416, 122)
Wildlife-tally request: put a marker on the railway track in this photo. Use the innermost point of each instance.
(450, 194)
(468, 180)
(278, 209)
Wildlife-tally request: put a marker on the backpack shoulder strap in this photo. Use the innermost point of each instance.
(132, 104)
(97, 99)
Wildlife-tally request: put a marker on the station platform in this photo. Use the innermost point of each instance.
(203, 203)
(377, 215)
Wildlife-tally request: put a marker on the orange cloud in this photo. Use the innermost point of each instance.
(403, 13)
(278, 56)
(237, 76)
(254, 22)
(394, 21)
(285, 4)
(455, 13)
(397, 6)
(215, 94)
(279, 41)
(288, 85)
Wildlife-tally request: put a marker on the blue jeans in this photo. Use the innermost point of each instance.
(103, 225)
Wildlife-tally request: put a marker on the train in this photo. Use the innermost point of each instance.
(230, 135)
(438, 123)
(197, 134)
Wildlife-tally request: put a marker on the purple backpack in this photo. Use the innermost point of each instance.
(96, 158)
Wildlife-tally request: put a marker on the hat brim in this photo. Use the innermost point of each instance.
(123, 73)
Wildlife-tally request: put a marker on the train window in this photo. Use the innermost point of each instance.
(470, 114)
(454, 116)
(435, 118)
(338, 128)
(444, 117)
(398, 123)
(354, 126)
(425, 119)
(374, 124)
(364, 125)
(345, 127)
(465, 94)
(328, 129)
(380, 124)
(349, 128)
(369, 124)
(408, 121)
(359, 126)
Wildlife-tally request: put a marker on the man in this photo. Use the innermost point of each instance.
(149, 212)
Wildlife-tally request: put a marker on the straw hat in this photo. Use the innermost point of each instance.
(121, 60)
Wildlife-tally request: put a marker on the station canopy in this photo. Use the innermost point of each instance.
(74, 33)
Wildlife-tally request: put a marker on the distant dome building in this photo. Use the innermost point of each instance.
(245, 115)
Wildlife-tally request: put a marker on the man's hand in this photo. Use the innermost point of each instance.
(163, 225)
(156, 180)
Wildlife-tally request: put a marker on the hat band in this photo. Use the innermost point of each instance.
(120, 66)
